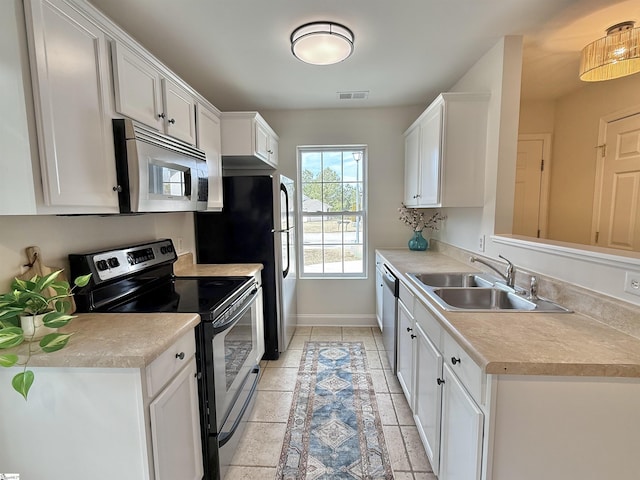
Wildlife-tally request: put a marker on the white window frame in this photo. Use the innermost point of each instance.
(362, 213)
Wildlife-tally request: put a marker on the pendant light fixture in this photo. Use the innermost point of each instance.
(613, 56)
(322, 43)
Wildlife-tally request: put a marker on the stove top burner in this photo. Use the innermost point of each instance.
(206, 296)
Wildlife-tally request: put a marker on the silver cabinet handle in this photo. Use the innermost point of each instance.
(117, 188)
(180, 355)
(172, 121)
(161, 115)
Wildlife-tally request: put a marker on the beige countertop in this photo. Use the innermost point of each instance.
(115, 340)
(129, 340)
(519, 343)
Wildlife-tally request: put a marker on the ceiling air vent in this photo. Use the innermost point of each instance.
(362, 95)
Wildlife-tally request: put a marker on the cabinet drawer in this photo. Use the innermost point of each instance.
(406, 297)
(469, 373)
(163, 368)
(430, 325)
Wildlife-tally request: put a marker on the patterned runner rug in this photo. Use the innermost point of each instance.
(334, 429)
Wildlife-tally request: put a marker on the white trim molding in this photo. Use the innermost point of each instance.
(337, 320)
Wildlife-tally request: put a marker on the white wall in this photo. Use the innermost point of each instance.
(381, 129)
(59, 236)
(499, 72)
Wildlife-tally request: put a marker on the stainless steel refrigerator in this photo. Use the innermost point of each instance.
(257, 225)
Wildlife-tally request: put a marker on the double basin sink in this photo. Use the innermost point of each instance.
(479, 292)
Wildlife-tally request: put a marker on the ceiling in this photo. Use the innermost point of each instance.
(237, 52)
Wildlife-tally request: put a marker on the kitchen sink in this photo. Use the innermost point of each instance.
(479, 292)
(480, 299)
(456, 279)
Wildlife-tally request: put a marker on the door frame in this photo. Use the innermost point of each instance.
(602, 136)
(543, 207)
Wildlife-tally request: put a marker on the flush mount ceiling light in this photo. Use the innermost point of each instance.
(322, 43)
(613, 56)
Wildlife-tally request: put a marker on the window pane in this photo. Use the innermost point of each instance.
(312, 230)
(352, 228)
(312, 198)
(311, 166)
(332, 166)
(333, 259)
(313, 259)
(353, 259)
(332, 230)
(332, 196)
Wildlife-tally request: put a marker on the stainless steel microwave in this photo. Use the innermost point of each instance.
(157, 173)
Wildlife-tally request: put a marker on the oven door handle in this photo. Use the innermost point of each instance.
(220, 327)
(226, 436)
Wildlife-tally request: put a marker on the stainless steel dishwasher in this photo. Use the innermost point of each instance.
(390, 315)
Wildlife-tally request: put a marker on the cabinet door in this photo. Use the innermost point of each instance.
(428, 396)
(430, 158)
(175, 428)
(462, 431)
(71, 86)
(180, 110)
(273, 151)
(406, 336)
(262, 142)
(137, 87)
(209, 142)
(411, 167)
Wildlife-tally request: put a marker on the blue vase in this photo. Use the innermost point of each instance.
(418, 242)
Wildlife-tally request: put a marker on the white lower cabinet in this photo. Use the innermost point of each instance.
(124, 423)
(462, 432)
(406, 345)
(428, 396)
(175, 428)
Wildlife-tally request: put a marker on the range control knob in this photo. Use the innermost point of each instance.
(102, 265)
(113, 262)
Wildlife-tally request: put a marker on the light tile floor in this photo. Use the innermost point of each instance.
(259, 450)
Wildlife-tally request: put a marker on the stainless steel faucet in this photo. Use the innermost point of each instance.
(509, 276)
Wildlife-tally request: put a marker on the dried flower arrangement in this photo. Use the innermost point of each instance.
(416, 219)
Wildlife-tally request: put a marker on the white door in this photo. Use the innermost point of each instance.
(431, 157)
(526, 203)
(72, 99)
(462, 431)
(618, 224)
(411, 166)
(137, 86)
(181, 112)
(406, 336)
(209, 142)
(175, 428)
(428, 396)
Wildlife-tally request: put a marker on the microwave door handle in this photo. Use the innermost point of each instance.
(188, 184)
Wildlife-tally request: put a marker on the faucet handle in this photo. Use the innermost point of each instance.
(533, 292)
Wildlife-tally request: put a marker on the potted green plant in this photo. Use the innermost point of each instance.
(34, 310)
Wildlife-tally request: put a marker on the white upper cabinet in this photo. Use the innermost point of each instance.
(248, 141)
(209, 142)
(445, 150)
(145, 95)
(70, 75)
(137, 87)
(180, 112)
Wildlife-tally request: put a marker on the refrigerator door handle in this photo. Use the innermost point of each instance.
(283, 189)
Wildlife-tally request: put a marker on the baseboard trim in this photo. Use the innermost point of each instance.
(336, 320)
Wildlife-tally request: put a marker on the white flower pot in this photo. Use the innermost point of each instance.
(34, 328)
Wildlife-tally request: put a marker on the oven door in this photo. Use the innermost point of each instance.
(235, 350)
